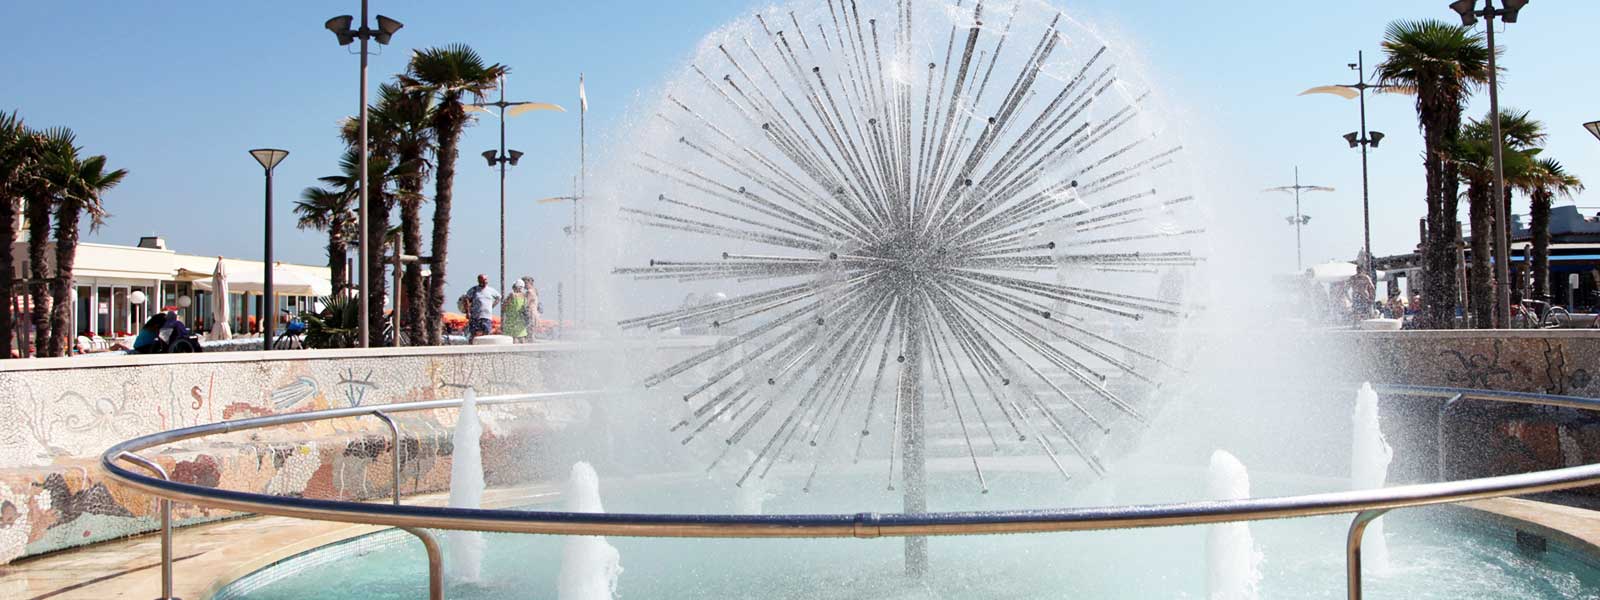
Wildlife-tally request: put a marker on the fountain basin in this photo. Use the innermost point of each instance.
(1437, 553)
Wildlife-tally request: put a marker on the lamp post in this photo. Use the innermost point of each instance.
(506, 157)
(575, 230)
(1502, 267)
(1298, 219)
(1363, 139)
(269, 158)
(341, 28)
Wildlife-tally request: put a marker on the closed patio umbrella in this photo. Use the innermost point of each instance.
(219, 303)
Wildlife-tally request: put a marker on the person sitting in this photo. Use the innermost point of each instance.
(149, 340)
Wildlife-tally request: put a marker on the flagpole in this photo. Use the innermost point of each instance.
(577, 226)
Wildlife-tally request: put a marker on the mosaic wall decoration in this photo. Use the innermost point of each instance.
(54, 423)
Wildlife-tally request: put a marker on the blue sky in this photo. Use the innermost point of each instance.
(176, 92)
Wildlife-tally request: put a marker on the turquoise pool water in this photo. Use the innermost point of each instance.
(1434, 554)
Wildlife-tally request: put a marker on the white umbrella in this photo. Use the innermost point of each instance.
(219, 303)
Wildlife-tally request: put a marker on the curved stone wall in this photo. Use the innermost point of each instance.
(58, 415)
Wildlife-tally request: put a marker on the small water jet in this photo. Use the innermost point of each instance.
(589, 565)
(1369, 468)
(1233, 566)
(465, 548)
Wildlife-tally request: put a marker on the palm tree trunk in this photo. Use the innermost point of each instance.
(1516, 271)
(68, 215)
(8, 273)
(336, 258)
(1480, 294)
(448, 131)
(1539, 224)
(1439, 256)
(38, 273)
(377, 263)
(411, 240)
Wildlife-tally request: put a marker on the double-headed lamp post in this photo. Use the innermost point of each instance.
(1299, 219)
(1502, 256)
(341, 28)
(269, 158)
(506, 157)
(1363, 139)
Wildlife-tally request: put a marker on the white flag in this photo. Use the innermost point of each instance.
(583, 99)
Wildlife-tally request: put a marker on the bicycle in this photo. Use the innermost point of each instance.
(293, 336)
(1538, 314)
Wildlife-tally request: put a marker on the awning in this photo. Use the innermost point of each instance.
(286, 281)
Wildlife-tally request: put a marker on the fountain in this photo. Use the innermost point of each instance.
(930, 220)
(1233, 565)
(465, 548)
(957, 244)
(1369, 468)
(589, 565)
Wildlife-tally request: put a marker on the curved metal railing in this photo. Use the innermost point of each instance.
(1367, 504)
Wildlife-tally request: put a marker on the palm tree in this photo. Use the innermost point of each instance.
(18, 153)
(447, 73)
(328, 210)
(1549, 179)
(400, 128)
(56, 171)
(378, 205)
(1473, 156)
(405, 117)
(1442, 64)
(89, 183)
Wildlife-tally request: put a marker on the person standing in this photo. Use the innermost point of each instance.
(1362, 294)
(533, 312)
(514, 313)
(480, 301)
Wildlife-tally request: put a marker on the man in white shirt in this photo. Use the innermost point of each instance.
(482, 301)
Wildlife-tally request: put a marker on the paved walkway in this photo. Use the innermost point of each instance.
(205, 557)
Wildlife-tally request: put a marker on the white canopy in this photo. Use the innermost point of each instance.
(1334, 271)
(286, 280)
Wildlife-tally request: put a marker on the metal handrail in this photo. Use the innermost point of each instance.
(860, 525)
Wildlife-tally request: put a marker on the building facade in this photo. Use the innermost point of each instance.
(111, 280)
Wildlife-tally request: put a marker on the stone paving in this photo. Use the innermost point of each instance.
(205, 557)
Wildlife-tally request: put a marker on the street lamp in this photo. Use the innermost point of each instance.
(576, 231)
(269, 158)
(1363, 139)
(1299, 220)
(1502, 267)
(506, 157)
(341, 28)
(1593, 127)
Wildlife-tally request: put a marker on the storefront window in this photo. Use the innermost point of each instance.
(119, 313)
(102, 310)
(83, 310)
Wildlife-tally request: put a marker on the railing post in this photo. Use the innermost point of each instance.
(394, 436)
(1352, 548)
(435, 563)
(1439, 441)
(166, 522)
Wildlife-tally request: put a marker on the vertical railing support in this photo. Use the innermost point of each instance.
(166, 522)
(394, 437)
(435, 563)
(1352, 549)
(1440, 443)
